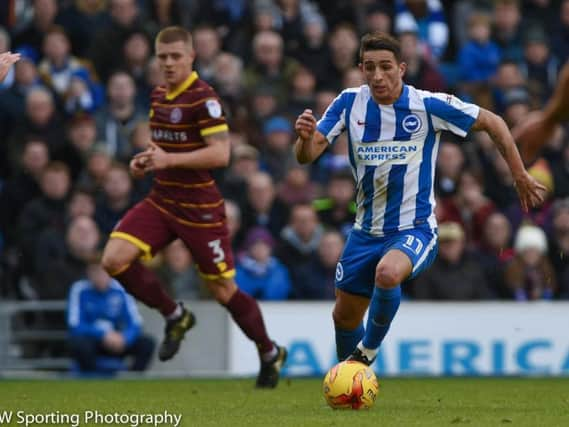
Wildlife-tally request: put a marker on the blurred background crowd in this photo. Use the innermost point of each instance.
(75, 108)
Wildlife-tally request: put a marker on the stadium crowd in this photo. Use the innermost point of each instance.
(74, 110)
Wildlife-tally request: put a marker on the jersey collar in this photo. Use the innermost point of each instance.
(186, 84)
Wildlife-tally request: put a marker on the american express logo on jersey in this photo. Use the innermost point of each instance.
(375, 153)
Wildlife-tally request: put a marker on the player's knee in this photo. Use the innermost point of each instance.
(222, 290)
(343, 320)
(387, 276)
(110, 263)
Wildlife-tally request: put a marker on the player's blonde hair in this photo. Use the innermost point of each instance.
(174, 34)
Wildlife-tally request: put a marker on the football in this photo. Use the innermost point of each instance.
(350, 385)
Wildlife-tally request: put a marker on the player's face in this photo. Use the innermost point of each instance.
(175, 61)
(383, 74)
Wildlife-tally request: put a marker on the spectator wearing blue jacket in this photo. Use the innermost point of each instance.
(259, 273)
(104, 323)
(479, 58)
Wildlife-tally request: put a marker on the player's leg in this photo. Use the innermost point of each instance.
(140, 234)
(354, 287)
(211, 249)
(348, 317)
(408, 254)
(246, 313)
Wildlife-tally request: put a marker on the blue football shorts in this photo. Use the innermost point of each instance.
(355, 272)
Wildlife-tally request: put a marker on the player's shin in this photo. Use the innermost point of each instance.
(383, 306)
(347, 340)
(247, 314)
(144, 285)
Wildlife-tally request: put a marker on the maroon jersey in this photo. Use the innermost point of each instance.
(179, 121)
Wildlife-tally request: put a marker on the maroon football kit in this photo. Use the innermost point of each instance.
(184, 203)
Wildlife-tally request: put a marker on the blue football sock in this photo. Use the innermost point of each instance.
(383, 306)
(346, 341)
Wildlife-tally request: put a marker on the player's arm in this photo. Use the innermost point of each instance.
(557, 108)
(310, 143)
(530, 191)
(214, 155)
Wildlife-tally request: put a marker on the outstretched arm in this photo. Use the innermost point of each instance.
(529, 190)
(310, 143)
(7, 59)
(539, 126)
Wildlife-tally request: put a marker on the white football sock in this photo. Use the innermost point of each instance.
(176, 313)
(367, 352)
(269, 355)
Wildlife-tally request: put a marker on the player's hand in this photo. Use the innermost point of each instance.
(154, 158)
(531, 192)
(114, 342)
(305, 125)
(137, 168)
(7, 59)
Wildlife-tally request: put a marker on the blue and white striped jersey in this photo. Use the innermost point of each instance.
(393, 151)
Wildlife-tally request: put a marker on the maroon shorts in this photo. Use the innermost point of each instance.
(151, 227)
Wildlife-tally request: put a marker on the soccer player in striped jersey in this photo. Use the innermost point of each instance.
(189, 138)
(393, 135)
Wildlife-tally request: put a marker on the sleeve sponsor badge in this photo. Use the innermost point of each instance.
(213, 108)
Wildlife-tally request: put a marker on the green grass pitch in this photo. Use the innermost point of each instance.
(298, 402)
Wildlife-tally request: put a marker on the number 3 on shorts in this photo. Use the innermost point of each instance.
(215, 245)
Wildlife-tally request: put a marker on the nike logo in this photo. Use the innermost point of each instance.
(361, 123)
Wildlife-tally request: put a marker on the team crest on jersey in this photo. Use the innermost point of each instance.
(339, 272)
(176, 115)
(213, 108)
(411, 123)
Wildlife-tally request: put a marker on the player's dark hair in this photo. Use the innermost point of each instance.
(174, 34)
(380, 41)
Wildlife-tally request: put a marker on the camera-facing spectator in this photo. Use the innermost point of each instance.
(530, 276)
(299, 240)
(478, 59)
(270, 66)
(99, 162)
(259, 273)
(411, 15)
(262, 207)
(45, 211)
(455, 274)
(496, 251)
(421, 72)
(508, 28)
(296, 186)
(179, 272)
(117, 120)
(103, 321)
(23, 187)
(337, 209)
(72, 79)
(207, 45)
(277, 154)
(61, 256)
(116, 199)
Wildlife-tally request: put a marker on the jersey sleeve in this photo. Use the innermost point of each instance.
(450, 113)
(209, 115)
(333, 122)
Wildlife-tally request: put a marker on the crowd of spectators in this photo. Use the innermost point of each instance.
(75, 108)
